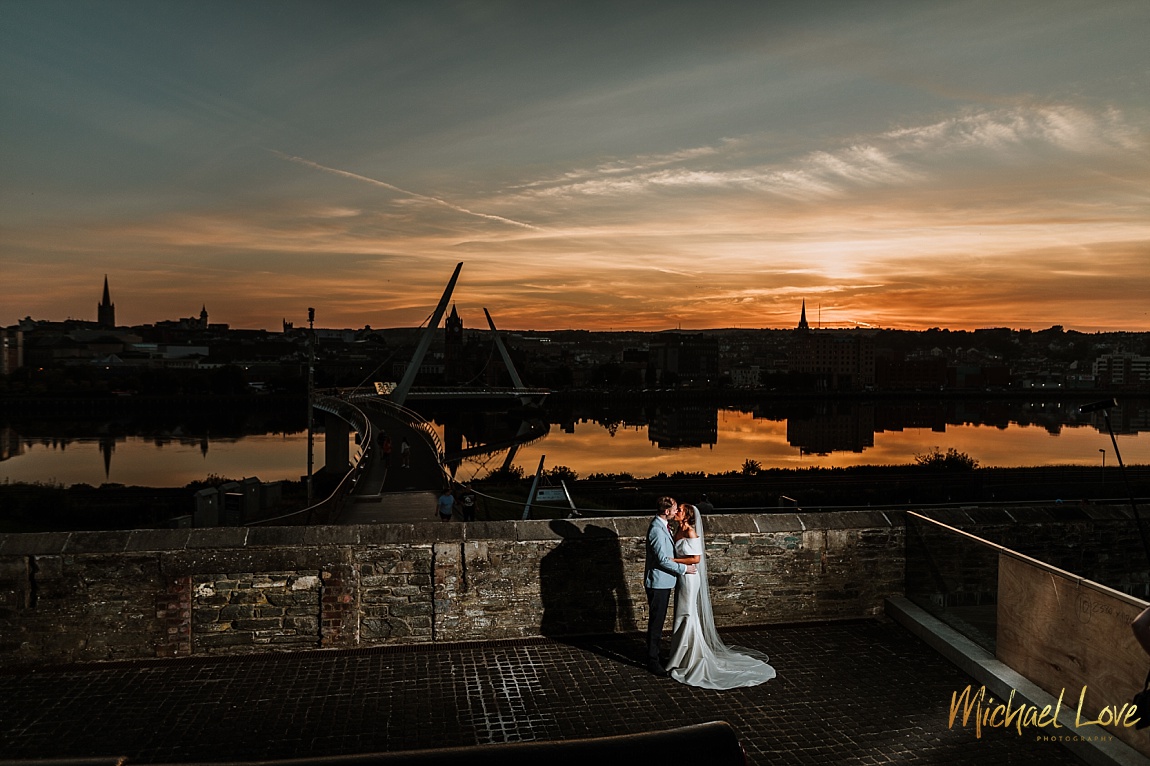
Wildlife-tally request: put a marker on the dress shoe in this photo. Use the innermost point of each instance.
(659, 670)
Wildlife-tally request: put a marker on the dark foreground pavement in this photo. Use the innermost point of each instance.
(859, 692)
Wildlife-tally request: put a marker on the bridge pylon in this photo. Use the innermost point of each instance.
(399, 395)
(515, 379)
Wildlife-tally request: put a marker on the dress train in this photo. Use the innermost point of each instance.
(698, 656)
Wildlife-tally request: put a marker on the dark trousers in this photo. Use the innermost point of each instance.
(657, 601)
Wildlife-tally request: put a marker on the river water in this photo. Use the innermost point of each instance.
(149, 461)
(652, 439)
(641, 440)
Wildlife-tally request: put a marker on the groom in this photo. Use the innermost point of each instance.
(659, 578)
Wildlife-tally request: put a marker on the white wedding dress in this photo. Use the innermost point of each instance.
(698, 656)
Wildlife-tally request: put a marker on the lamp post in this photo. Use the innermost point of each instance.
(310, 399)
(1104, 407)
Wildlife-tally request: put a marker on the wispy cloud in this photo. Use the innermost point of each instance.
(1062, 126)
(900, 156)
(405, 192)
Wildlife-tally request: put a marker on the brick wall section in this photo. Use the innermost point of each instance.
(100, 596)
(339, 606)
(174, 611)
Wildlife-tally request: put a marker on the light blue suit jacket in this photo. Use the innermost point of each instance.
(661, 570)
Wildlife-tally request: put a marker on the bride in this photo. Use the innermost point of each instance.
(698, 656)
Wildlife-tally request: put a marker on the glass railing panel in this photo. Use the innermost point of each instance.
(954, 577)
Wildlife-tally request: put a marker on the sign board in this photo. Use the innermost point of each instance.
(384, 389)
(550, 495)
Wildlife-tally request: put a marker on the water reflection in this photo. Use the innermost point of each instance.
(672, 428)
(150, 462)
(154, 449)
(479, 436)
(832, 427)
(607, 437)
(646, 439)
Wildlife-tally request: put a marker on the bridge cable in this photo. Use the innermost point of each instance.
(390, 356)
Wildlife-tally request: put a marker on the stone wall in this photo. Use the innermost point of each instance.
(162, 593)
(112, 595)
(254, 611)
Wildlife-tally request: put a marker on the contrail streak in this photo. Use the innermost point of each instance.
(416, 195)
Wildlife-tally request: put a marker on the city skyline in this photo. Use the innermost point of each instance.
(105, 318)
(595, 166)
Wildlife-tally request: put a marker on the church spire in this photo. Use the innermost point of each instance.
(803, 319)
(453, 348)
(106, 311)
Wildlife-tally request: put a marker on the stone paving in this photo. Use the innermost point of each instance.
(391, 508)
(858, 692)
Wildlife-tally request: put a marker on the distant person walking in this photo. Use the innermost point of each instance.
(444, 505)
(385, 445)
(467, 503)
(405, 453)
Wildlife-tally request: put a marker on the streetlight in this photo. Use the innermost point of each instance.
(1103, 469)
(1104, 407)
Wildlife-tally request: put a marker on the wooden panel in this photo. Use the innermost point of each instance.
(1066, 637)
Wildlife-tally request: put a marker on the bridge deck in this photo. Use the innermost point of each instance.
(387, 491)
(391, 508)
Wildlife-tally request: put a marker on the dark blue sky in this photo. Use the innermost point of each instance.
(594, 165)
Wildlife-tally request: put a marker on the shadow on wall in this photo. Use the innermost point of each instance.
(582, 584)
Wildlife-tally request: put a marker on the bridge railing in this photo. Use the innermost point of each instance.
(449, 392)
(413, 419)
(326, 510)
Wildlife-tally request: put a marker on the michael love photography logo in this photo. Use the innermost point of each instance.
(988, 713)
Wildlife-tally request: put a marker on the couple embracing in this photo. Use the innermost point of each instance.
(676, 560)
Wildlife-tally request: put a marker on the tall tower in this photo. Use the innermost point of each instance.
(803, 326)
(106, 311)
(453, 347)
(204, 317)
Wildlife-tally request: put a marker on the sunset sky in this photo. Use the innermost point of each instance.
(597, 165)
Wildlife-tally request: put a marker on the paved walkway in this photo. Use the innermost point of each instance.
(388, 492)
(387, 474)
(860, 692)
(391, 508)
